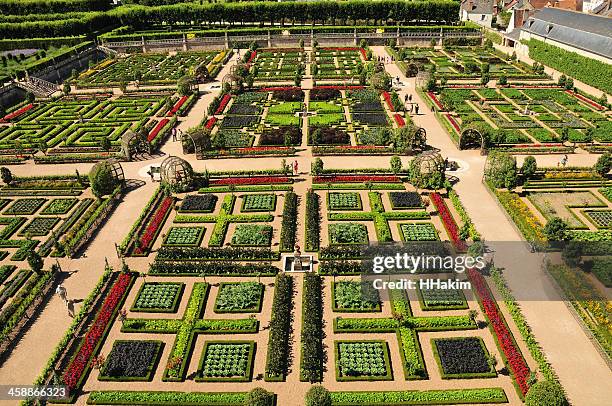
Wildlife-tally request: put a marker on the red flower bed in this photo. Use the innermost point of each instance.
(261, 149)
(554, 144)
(516, 361)
(387, 98)
(341, 48)
(399, 120)
(363, 54)
(356, 178)
(157, 129)
(433, 97)
(452, 121)
(338, 87)
(211, 123)
(255, 180)
(78, 365)
(253, 55)
(226, 98)
(152, 229)
(449, 222)
(362, 147)
(17, 113)
(177, 106)
(585, 99)
(277, 88)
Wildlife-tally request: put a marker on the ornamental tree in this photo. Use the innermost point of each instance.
(396, 164)
(102, 180)
(529, 168)
(556, 229)
(546, 393)
(381, 81)
(500, 170)
(35, 262)
(316, 168)
(258, 397)
(6, 175)
(317, 395)
(603, 164)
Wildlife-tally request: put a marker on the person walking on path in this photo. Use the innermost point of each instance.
(173, 134)
(295, 167)
(70, 306)
(61, 292)
(416, 109)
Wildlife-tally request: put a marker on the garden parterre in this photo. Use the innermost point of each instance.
(524, 115)
(77, 125)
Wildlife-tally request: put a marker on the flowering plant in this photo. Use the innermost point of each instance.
(17, 113)
(256, 180)
(449, 222)
(355, 178)
(153, 228)
(512, 353)
(387, 98)
(78, 365)
(177, 106)
(157, 129)
(433, 97)
(399, 120)
(210, 123)
(226, 98)
(453, 122)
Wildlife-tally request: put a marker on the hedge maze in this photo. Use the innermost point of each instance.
(74, 125)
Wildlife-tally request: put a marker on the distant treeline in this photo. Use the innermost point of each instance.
(139, 16)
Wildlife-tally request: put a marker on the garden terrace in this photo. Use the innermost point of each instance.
(58, 221)
(150, 68)
(517, 117)
(577, 199)
(73, 128)
(464, 63)
(278, 64)
(337, 63)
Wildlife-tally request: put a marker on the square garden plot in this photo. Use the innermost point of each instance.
(601, 218)
(226, 361)
(239, 121)
(239, 297)
(198, 204)
(363, 361)
(252, 235)
(370, 119)
(59, 206)
(158, 297)
(25, 206)
(184, 236)
(348, 233)
(244, 109)
(259, 202)
(462, 357)
(284, 135)
(344, 201)
(132, 361)
(442, 299)
(353, 296)
(40, 226)
(405, 200)
(418, 232)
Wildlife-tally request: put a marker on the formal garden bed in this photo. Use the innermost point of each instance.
(521, 117)
(86, 128)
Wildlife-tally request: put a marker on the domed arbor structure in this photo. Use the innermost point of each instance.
(176, 173)
(427, 170)
(134, 143)
(235, 78)
(472, 137)
(105, 176)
